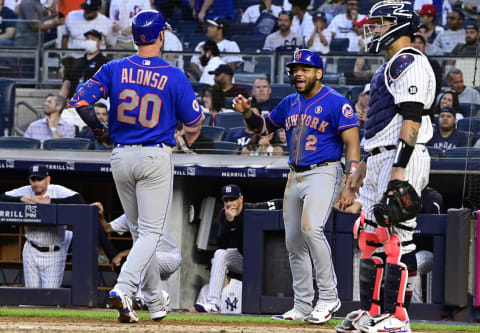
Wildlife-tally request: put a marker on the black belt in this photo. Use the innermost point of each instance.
(302, 168)
(123, 145)
(382, 149)
(51, 248)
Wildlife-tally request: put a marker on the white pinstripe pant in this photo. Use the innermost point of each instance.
(43, 269)
(222, 260)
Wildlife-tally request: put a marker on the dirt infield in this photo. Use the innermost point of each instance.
(69, 325)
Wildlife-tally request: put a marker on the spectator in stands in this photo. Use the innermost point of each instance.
(224, 79)
(213, 101)
(83, 68)
(469, 8)
(229, 255)
(455, 34)
(51, 126)
(430, 49)
(215, 31)
(332, 8)
(121, 15)
(319, 40)
(7, 25)
(66, 6)
(356, 42)
(78, 22)
(253, 12)
(284, 37)
(261, 92)
(262, 145)
(443, 7)
(190, 139)
(172, 43)
(361, 107)
(419, 42)
(101, 111)
(428, 14)
(465, 94)
(210, 60)
(302, 20)
(342, 24)
(33, 22)
(449, 99)
(45, 250)
(205, 10)
(447, 136)
(469, 48)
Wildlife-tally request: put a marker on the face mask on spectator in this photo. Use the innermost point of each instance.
(90, 46)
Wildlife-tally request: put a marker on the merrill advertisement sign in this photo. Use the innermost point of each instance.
(27, 213)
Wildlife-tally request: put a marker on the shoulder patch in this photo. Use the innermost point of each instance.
(400, 65)
(347, 111)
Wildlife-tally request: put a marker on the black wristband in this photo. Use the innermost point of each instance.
(402, 156)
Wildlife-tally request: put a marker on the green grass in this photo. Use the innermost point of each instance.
(102, 314)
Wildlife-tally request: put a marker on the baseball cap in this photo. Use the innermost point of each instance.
(428, 9)
(94, 33)
(320, 15)
(38, 170)
(231, 191)
(449, 110)
(91, 5)
(218, 22)
(362, 22)
(222, 69)
(472, 25)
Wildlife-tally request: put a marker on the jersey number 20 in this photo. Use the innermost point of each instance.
(133, 102)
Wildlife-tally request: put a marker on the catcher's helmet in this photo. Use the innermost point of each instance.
(400, 14)
(147, 25)
(305, 57)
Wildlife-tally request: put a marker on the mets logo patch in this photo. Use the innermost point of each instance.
(347, 111)
(298, 55)
(195, 105)
(318, 109)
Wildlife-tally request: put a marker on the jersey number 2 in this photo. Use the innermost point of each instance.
(132, 104)
(310, 143)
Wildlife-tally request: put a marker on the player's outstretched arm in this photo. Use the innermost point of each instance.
(254, 122)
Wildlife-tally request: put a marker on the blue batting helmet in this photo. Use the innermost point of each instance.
(402, 19)
(147, 25)
(305, 57)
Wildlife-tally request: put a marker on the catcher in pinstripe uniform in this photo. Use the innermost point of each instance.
(46, 247)
(395, 172)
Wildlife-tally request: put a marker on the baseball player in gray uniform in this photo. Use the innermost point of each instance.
(168, 254)
(45, 250)
(396, 130)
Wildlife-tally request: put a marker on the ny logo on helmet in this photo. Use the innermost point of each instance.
(298, 55)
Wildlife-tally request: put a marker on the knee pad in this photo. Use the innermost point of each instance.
(394, 290)
(371, 274)
(359, 225)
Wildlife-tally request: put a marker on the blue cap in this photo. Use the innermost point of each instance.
(306, 57)
(38, 170)
(231, 191)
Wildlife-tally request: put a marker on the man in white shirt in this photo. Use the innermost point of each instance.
(78, 22)
(172, 43)
(121, 15)
(284, 36)
(465, 94)
(210, 60)
(215, 32)
(341, 25)
(253, 12)
(302, 22)
(448, 39)
(319, 40)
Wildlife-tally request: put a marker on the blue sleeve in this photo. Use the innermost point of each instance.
(346, 117)
(104, 77)
(92, 90)
(187, 108)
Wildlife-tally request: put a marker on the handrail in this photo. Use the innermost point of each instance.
(38, 114)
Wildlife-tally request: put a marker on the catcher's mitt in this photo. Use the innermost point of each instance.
(399, 203)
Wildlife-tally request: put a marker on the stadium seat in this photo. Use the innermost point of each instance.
(462, 153)
(238, 29)
(223, 147)
(7, 109)
(228, 102)
(263, 65)
(355, 92)
(344, 90)
(99, 146)
(238, 135)
(187, 26)
(67, 144)
(339, 45)
(208, 119)
(282, 90)
(213, 132)
(244, 4)
(469, 110)
(469, 124)
(19, 142)
(435, 153)
(228, 120)
(198, 87)
(249, 43)
(191, 40)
